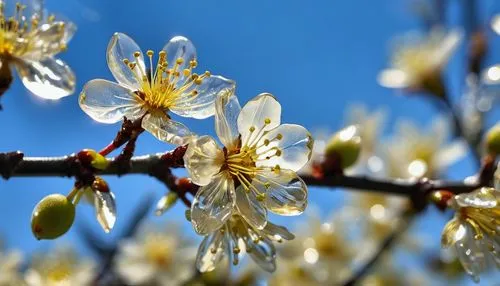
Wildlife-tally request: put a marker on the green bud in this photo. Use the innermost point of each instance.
(493, 140)
(92, 158)
(52, 217)
(346, 144)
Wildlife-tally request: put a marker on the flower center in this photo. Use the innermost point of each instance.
(158, 251)
(162, 87)
(242, 163)
(59, 273)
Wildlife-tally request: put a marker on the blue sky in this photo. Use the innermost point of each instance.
(316, 59)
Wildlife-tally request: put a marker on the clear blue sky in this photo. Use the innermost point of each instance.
(316, 58)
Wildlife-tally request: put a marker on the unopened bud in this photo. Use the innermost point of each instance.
(100, 185)
(52, 217)
(441, 199)
(90, 157)
(493, 140)
(166, 202)
(346, 145)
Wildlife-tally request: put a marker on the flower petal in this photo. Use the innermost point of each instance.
(483, 198)
(213, 204)
(286, 193)
(227, 109)
(121, 47)
(469, 253)
(211, 251)
(49, 78)
(47, 40)
(262, 251)
(105, 208)
(203, 159)
(394, 78)
(166, 130)
(108, 102)
(288, 145)
(202, 105)
(277, 232)
(251, 209)
(260, 114)
(452, 232)
(179, 47)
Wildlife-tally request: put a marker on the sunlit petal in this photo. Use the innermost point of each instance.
(179, 47)
(288, 145)
(46, 40)
(121, 47)
(483, 198)
(211, 251)
(260, 114)
(166, 129)
(262, 252)
(227, 109)
(203, 159)
(277, 231)
(213, 204)
(108, 102)
(393, 78)
(446, 48)
(452, 233)
(202, 105)
(105, 208)
(250, 208)
(49, 78)
(286, 193)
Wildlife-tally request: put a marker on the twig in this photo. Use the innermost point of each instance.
(404, 223)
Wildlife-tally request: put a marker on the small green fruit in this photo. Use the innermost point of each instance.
(52, 217)
(493, 140)
(346, 144)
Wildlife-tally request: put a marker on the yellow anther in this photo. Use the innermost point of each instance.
(162, 54)
(198, 81)
(267, 121)
(145, 78)
(276, 169)
(51, 18)
(213, 250)
(150, 53)
(278, 152)
(267, 185)
(194, 76)
(236, 250)
(131, 65)
(177, 74)
(252, 128)
(137, 54)
(266, 142)
(261, 197)
(186, 72)
(179, 61)
(207, 74)
(193, 63)
(279, 136)
(194, 92)
(126, 61)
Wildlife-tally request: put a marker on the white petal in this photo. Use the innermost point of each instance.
(49, 78)
(470, 255)
(450, 154)
(262, 252)
(211, 251)
(277, 232)
(108, 102)
(122, 47)
(213, 204)
(483, 198)
(166, 130)
(203, 159)
(105, 207)
(286, 193)
(446, 48)
(46, 40)
(254, 114)
(251, 209)
(394, 78)
(203, 103)
(453, 231)
(180, 47)
(227, 109)
(294, 148)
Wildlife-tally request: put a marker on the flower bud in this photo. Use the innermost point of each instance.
(90, 157)
(166, 202)
(441, 199)
(493, 140)
(346, 145)
(52, 217)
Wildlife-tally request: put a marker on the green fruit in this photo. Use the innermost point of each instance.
(52, 217)
(493, 140)
(346, 144)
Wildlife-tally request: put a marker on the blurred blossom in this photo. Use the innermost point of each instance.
(416, 153)
(10, 272)
(387, 273)
(254, 173)
(495, 23)
(149, 93)
(370, 126)
(418, 61)
(321, 138)
(321, 254)
(156, 257)
(60, 267)
(473, 231)
(29, 43)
